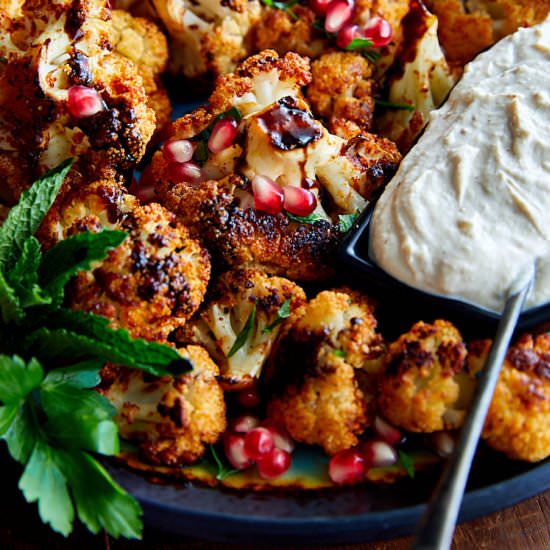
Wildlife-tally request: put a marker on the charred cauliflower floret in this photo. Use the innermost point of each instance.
(519, 416)
(277, 138)
(171, 419)
(207, 38)
(467, 28)
(141, 41)
(246, 304)
(150, 284)
(425, 387)
(323, 370)
(423, 82)
(51, 48)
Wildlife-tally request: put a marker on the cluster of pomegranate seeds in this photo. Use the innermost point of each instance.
(267, 445)
(379, 31)
(223, 135)
(84, 102)
(350, 466)
(270, 197)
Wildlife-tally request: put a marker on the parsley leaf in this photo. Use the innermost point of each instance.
(407, 462)
(282, 314)
(346, 221)
(17, 378)
(223, 471)
(245, 333)
(25, 217)
(390, 105)
(312, 218)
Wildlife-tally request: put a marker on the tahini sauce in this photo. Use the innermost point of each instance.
(470, 204)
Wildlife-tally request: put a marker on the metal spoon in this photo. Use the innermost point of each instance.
(438, 523)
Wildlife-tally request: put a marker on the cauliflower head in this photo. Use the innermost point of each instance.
(246, 304)
(323, 369)
(150, 284)
(423, 81)
(49, 48)
(519, 415)
(172, 420)
(425, 387)
(277, 137)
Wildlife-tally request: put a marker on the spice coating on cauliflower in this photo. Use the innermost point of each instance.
(519, 415)
(171, 419)
(323, 367)
(67, 45)
(150, 284)
(238, 298)
(425, 387)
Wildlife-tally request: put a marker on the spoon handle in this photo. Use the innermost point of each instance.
(437, 526)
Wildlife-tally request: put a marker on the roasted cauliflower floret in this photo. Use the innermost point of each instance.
(423, 82)
(153, 282)
(278, 138)
(246, 304)
(141, 41)
(425, 387)
(48, 50)
(171, 419)
(323, 370)
(467, 28)
(518, 420)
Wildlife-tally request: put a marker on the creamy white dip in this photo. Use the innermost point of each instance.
(470, 204)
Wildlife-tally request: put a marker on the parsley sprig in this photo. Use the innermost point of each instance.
(50, 417)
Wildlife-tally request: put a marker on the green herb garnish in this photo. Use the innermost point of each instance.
(282, 314)
(3, 59)
(365, 46)
(346, 221)
(284, 6)
(312, 218)
(407, 462)
(245, 333)
(223, 471)
(339, 353)
(390, 105)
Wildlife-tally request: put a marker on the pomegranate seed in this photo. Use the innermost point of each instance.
(346, 467)
(281, 438)
(378, 453)
(258, 442)
(178, 150)
(443, 443)
(244, 423)
(233, 445)
(223, 135)
(347, 34)
(299, 201)
(185, 171)
(143, 189)
(84, 102)
(268, 195)
(387, 432)
(339, 13)
(379, 31)
(249, 398)
(320, 7)
(274, 464)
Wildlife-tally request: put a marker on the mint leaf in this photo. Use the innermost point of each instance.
(91, 337)
(390, 105)
(7, 415)
(44, 482)
(17, 378)
(100, 502)
(10, 305)
(245, 333)
(74, 254)
(312, 218)
(346, 221)
(407, 462)
(25, 217)
(282, 314)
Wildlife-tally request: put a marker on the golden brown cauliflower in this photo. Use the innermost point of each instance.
(278, 138)
(425, 387)
(467, 28)
(238, 298)
(323, 370)
(171, 419)
(141, 41)
(49, 49)
(153, 282)
(518, 421)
